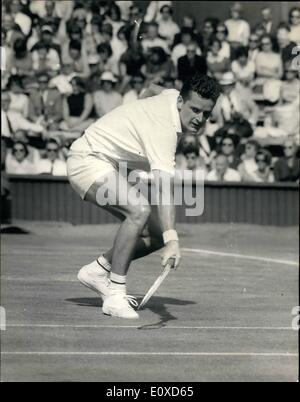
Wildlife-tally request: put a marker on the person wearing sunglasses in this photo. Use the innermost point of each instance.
(287, 168)
(268, 64)
(228, 148)
(253, 47)
(294, 21)
(221, 35)
(263, 172)
(52, 164)
(17, 162)
(248, 166)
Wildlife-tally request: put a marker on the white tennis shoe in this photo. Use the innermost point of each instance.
(119, 305)
(91, 276)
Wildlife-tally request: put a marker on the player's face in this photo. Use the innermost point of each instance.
(194, 112)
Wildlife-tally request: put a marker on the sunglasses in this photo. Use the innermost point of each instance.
(52, 149)
(18, 150)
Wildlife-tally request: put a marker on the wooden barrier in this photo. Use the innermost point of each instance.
(44, 198)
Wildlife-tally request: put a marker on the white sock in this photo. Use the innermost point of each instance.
(104, 265)
(118, 282)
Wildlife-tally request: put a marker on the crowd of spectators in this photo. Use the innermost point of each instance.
(70, 62)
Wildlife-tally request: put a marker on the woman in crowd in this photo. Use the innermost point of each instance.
(221, 35)
(217, 64)
(113, 17)
(17, 162)
(263, 172)
(19, 101)
(248, 166)
(228, 148)
(77, 108)
(294, 20)
(167, 28)
(45, 59)
(242, 67)
(107, 98)
(268, 64)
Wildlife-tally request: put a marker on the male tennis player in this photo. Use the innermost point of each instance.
(144, 134)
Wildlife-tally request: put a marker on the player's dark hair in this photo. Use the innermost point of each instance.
(203, 85)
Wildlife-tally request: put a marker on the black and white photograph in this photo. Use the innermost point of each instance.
(150, 194)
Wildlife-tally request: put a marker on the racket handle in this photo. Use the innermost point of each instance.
(171, 262)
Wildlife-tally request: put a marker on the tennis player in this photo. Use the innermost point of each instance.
(144, 134)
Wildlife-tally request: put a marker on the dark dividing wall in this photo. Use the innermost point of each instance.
(220, 9)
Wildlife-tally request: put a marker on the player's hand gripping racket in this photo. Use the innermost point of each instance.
(170, 265)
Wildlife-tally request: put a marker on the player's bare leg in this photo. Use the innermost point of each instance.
(135, 219)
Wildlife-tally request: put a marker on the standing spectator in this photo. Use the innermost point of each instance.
(153, 40)
(285, 45)
(263, 173)
(167, 28)
(107, 98)
(45, 103)
(222, 172)
(186, 38)
(287, 168)
(217, 64)
(242, 67)
(268, 63)
(191, 63)
(158, 66)
(52, 165)
(238, 29)
(137, 86)
(18, 100)
(21, 60)
(77, 108)
(290, 87)
(294, 20)
(267, 21)
(221, 35)
(17, 162)
(248, 166)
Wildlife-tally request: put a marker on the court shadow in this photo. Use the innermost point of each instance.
(158, 305)
(86, 301)
(13, 230)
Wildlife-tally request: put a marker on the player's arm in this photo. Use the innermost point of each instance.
(164, 185)
(152, 90)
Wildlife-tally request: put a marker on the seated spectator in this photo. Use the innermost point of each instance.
(132, 60)
(45, 103)
(18, 100)
(238, 29)
(285, 45)
(209, 30)
(50, 16)
(236, 105)
(152, 39)
(158, 65)
(75, 33)
(222, 172)
(153, 10)
(52, 164)
(217, 64)
(294, 21)
(62, 81)
(107, 98)
(186, 38)
(137, 85)
(193, 162)
(77, 106)
(119, 45)
(11, 30)
(45, 59)
(12, 121)
(76, 58)
(47, 36)
(287, 168)
(21, 60)
(227, 148)
(263, 173)
(106, 62)
(248, 166)
(125, 9)
(94, 37)
(221, 35)
(188, 65)
(268, 64)
(242, 67)
(20, 19)
(290, 87)
(113, 17)
(17, 162)
(167, 28)
(31, 143)
(188, 23)
(253, 48)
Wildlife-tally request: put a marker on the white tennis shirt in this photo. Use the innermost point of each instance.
(142, 133)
